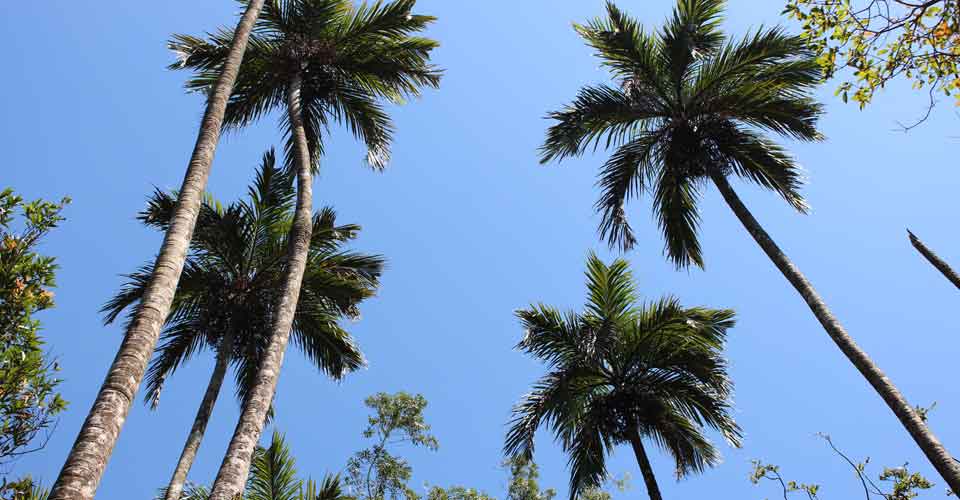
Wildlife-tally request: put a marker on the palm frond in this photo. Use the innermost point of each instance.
(675, 206)
(587, 454)
(626, 174)
(331, 488)
(325, 343)
(765, 163)
(552, 402)
(611, 293)
(383, 21)
(196, 53)
(599, 113)
(396, 70)
(765, 81)
(550, 335)
(693, 31)
(179, 342)
(129, 295)
(272, 191)
(692, 452)
(248, 356)
(273, 473)
(367, 120)
(629, 53)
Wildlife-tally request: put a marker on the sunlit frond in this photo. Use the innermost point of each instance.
(599, 113)
(273, 473)
(765, 163)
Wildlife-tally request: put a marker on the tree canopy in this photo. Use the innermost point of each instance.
(29, 401)
(868, 43)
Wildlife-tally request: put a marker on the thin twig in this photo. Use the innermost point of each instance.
(866, 490)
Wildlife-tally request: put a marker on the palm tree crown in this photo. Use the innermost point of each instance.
(621, 370)
(231, 280)
(687, 103)
(346, 57)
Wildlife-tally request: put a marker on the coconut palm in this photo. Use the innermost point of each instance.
(317, 61)
(273, 476)
(689, 107)
(621, 372)
(81, 473)
(226, 297)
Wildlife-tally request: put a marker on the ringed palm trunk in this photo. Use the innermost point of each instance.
(236, 463)
(81, 473)
(935, 261)
(646, 470)
(190, 448)
(925, 439)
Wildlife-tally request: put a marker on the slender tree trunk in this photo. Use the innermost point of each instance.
(937, 262)
(190, 448)
(935, 452)
(236, 463)
(645, 469)
(80, 475)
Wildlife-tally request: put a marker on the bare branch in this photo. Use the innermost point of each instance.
(936, 261)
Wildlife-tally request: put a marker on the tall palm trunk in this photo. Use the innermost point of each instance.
(645, 468)
(189, 453)
(236, 463)
(937, 262)
(80, 475)
(935, 452)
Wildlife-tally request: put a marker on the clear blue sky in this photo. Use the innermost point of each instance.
(474, 228)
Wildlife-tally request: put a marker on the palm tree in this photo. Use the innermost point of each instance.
(622, 371)
(273, 476)
(689, 107)
(318, 61)
(226, 295)
(81, 473)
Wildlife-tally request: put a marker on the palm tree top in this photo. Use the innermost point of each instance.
(347, 56)
(232, 275)
(623, 368)
(687, 102)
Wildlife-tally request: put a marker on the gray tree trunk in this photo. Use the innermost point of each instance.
(646, 470)
(236, 463)
(935, 452)
(190, 448)
(81, 473)
(937, 262)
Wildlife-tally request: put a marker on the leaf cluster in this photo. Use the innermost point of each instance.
(29, 402)
(375, 473)
(875, 41)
